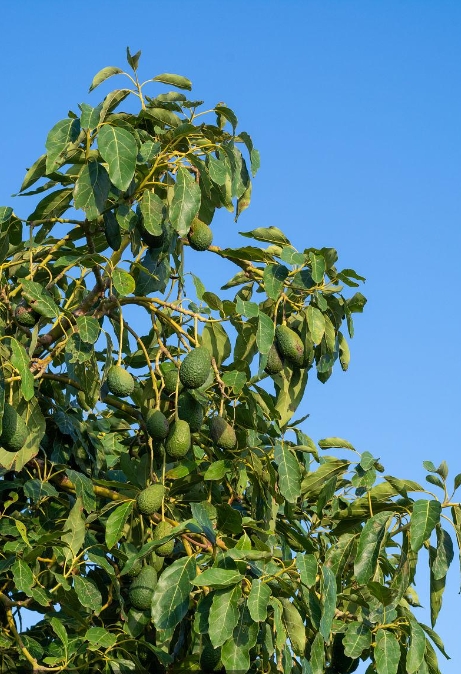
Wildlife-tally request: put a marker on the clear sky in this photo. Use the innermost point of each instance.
(355, 106)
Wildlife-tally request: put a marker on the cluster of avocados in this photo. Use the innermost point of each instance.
(288, 346)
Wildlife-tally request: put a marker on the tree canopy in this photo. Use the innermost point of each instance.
(162, 507)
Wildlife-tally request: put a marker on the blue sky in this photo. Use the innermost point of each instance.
(355, 107)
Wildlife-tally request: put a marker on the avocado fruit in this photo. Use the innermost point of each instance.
(25, 315)
(195, 367)
(142, 588)
(157, 425)
(190, 410)
(209, 658)
(14, 430)
(222, 433)
(274, 363)
(179, 440)
(161, 530)
(200, 235)
(149, 500)
(289, 345)
(151, 240)
(119, 381)
(170, 378)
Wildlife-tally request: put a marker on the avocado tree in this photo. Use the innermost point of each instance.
(161, 506)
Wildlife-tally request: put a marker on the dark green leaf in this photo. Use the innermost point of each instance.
(87, 593)
(64, 132)
(370, 541)
(92, 189)
(425, 515)
(175, 80)
(119, 149)
(186, 201)
(387, 652)
(274, 277)
(415, 652)
(288, 471)
(328, 601)
(152, 209)
(224, 614)
(116, 522)
(171, 597)
(265, 333)
(20, 360)
(356, 639)
(258, 600)
(103, 75)
(217, 578)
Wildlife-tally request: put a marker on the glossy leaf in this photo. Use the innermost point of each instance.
(92, 189)
(186, 201)
(119, 149)
(224, 614)
(258, 600)
(425, 515)
(289, 473)
(369, 544)
(116, 522)
(217, 578)
(171, 597)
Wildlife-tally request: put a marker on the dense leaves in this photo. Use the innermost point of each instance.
(270, 555)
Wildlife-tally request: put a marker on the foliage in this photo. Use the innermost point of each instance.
(272, 556)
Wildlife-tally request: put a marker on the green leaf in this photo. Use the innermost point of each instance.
(228, 114)
(23, 576)
(92, 189)
(317, 267)
(88, 594)
(317, 661)
(268, 234)
(217, 578)
(89, 119)
(316, 323)
(218, 469)
(330, 443)
(100, 638)
(119, 149)
(171, 597)
(437, 588)
(36, 171)
(265, 333)
(60, 631)
(344, 352)
(312, 484)
(39, 299)
(64, 132)
(235, 380)
(415, 651)
(83, 488)
(215, 339)
(235, 653)
(425, 515)
(175, 80)
(186, 201)
(116, 522)
(445, 554)
(294, 626)
(307, 568)
(387, 652)
(74, 530)
(258, 600)
(88, 328)
(224, 615)
(274, 277)
(288, 471)
(357, 639)
(103, 75)
(20, 360)
(123, 281)
(53, 205)
(152, 209)
(218, 169)
(370, 541)
(328, 601)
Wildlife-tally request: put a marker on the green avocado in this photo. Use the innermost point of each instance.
(119, 381)
(191, 411)
(149, 500)
(195, 367)
(14, 430)
(209, 658)
(178, 441)
(163, 529)
(222, 433)
(142, 588)
(25, 315)
(200, 235)
(151, 240)
(289, 345)
(157, 425)
(170, 378)
(274, 361)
